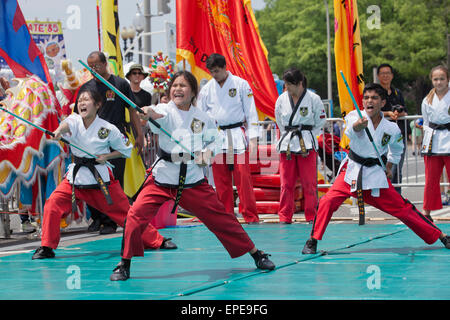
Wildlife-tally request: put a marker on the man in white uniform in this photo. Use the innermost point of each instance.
(364, 174)
(229, 100)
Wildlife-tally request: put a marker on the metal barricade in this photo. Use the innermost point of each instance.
(413, 165)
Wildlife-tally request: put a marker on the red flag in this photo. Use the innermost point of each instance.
(230, 29)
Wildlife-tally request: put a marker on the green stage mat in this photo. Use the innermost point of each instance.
(353, 263)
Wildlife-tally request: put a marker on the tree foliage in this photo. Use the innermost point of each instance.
(411, 36)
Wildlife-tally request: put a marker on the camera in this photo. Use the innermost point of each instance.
(398, 108)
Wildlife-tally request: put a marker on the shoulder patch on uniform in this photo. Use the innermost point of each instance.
(197, 125)
(125, 140)
(103, 133)
(385, 139)
(232, 92)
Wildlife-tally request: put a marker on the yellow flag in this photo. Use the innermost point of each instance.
(134, 166)
(111, 35)
(348, 55)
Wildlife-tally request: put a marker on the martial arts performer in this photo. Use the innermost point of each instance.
(364, 175)
(178, 175)
(91, 179)
(436, 139)
(300, 115)
(229, 100)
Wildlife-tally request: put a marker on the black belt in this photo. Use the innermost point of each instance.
(296, 131)
(232, 126)
(90, 164)
(183, 170)
(436, 126)
(364, 162)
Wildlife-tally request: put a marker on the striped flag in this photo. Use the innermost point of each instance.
(110, 35)
(348, 56)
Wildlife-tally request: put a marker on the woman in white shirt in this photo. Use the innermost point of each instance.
(436, 139)
(300, 115)
(178, 175)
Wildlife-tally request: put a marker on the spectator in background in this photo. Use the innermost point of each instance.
(135, 75)
(394, 108)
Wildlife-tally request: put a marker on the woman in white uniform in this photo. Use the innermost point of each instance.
(436, 139)
(300, 115)
(90, 179)
(178, 175)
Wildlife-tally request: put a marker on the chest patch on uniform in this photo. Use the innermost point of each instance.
(303, 111)
(232, 92)
(385, 139)
(197, 125)
(103, 133)
(110, 95)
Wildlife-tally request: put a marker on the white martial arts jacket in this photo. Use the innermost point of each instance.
(311, 112)
(388, 140)
(438, 113)
(194, 129)
(230, 104)
(97, 139)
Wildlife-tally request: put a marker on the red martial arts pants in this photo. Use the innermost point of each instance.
(433, 171)
(243, 181)
(389, 201)
(201, 200)
(59, 205)
(304, 168)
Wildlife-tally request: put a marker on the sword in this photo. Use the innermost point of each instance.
(132, 104)
(45, 130)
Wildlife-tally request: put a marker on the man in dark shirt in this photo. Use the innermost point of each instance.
(113, 111)
(135, 75)
(394, 108)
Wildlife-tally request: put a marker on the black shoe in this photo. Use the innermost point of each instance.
(310, 247)
(43, 253)
(107, 229)
(94, 226)
(262, 260)
(446, 241)
(120, 272)
(167, 244)
(429, 217)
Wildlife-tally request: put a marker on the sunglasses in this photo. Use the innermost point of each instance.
(136, 72)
